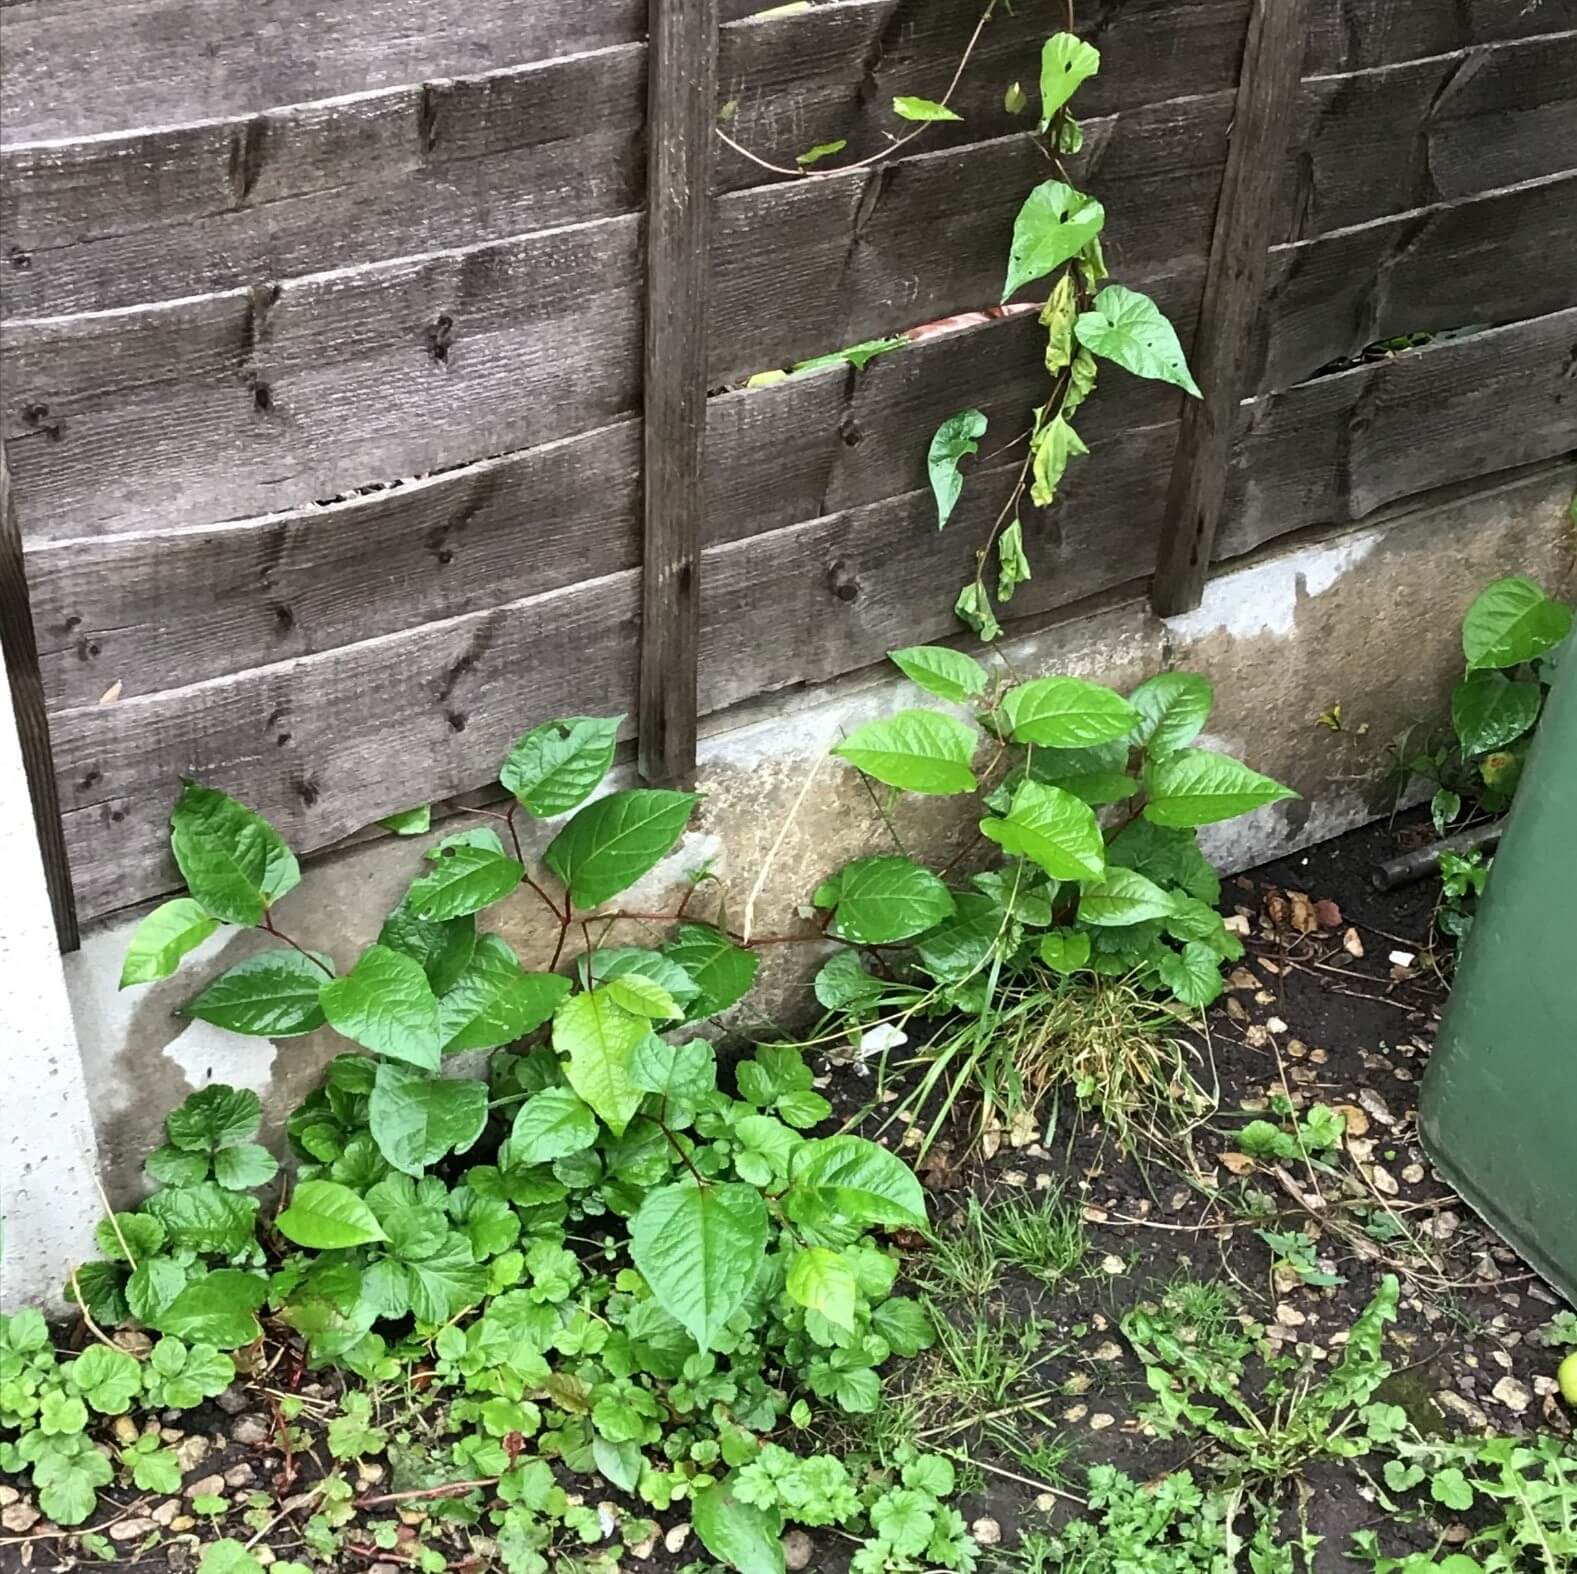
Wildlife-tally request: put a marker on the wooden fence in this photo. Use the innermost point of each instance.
(325, 330)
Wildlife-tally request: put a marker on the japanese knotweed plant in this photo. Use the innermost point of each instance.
(1133, 899)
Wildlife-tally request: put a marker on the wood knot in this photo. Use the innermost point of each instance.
(843, 583)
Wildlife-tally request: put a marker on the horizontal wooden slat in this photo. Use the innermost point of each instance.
(80, 67)
(853, 256)
(1353, 35)
(791, 81)
(1341, 446)
(804, 604)
(327, 744)
(1490, 259)
(162, 609)
(255, 401)
(1385, 141)
(187, 210)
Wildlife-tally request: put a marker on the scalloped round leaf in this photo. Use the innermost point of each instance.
(214, 1117)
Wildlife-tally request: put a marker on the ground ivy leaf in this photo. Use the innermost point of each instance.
(325, 1216)
(1065, 950)
(1198, 787)
(217, 1308)
(722, 971)
(699, 1248)
(597, 1040)
(954, 440)
(233, 861)
(1066, 62)
(549, 1125)
(884, 899)
(163, 938)
(920, 751)
(495, 1001)
(1054, 224)
(1066, 713)
(274, 995)
(204, 1218)
(1128, 328)
(385, 1004)
(1054, 829)
(948, 674)
(417, 1118)
(555, 767)
(1194, 975)
(214, 1117)
(611, 843)
(245, 1166)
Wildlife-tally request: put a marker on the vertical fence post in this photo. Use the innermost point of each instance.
(1262, 122)
(680, 104)
(32, 725)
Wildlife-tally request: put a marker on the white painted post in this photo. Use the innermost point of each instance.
(49, 1202)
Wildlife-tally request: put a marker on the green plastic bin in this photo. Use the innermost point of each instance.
(1498, 1105)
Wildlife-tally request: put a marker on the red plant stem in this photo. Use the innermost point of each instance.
(279, 934)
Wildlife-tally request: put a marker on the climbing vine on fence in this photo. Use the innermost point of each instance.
(1087, 316)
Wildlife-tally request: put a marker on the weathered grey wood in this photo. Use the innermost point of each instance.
(82, 67)
(187, 210)
(793, 80)
(1401, 137)
(804, 604)
(259, 400)
(1341, 446)
(327, 744)
(852, 256)
(161, 609)
(32, 724)
(1261, 127)
(1352, 35)
(680, 93)
(1489, 259)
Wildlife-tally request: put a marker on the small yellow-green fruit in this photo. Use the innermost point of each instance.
(1566, 1376)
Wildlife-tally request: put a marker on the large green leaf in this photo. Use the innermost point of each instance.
(204, 1218)
(1193, 975)
(1512, 621)
(418, 1118)
(1067, 713)
(1127, 327)
(495, 1001)
(864, 1182)
(472, 872)
(1123, 896)
(883, 899)
(1198, 787)
(948, 674)
(217, 1308)
(958, 945)
(1066, 62)
(607, 963)
(233, 861)
(597, 1039)
(160, 941)
(558, 765)
(700, 1248)
(722, 971)
(275, 995)
(324, 1216)
(1172, 707)
(1097, 774)
(745, 1536)
(1055, 224)
(443, 949)
(611, 843)
(1054, 829)
(1489, 710)
(550, 1125)
(922, 751)
(821, 1280)
(955, 439)
(386, 1005)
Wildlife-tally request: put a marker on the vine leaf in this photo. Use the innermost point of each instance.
(1066, 63)
(1051, 448)
(1013, 566)
(908, 108)
(1055, 224)
(973, 608)
(920, 751)
(821, 150)
(1057, 318)
(1127, 327)
(955, 439)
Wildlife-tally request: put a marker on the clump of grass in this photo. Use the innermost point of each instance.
(1040, 1235)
